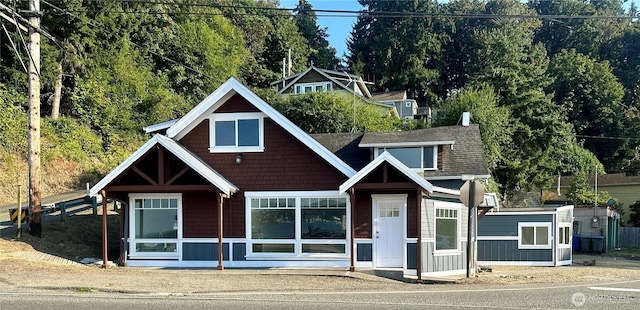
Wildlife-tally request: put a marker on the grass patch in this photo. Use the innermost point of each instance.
(86, 290)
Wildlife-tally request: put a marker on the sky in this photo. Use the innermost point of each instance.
(339, 27)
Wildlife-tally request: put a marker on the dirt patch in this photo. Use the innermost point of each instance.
(78, 237)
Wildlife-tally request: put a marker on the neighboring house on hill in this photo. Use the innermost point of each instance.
(407, 108)
(315, 79)
(234, 183)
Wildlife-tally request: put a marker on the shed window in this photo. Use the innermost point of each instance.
(534, 235)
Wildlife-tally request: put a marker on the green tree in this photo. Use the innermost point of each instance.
(634, 217)
(321, 54)
(493, 120)
(510, 63)
(590, 95)
(330, 112)
(398, 52)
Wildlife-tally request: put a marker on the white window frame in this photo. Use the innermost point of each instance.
(535, 225)
(297, 241)
(407, 104)
(561, 235)
(422, 150)
(235, 117)
(299, 88)
(133, 253)
(458, 210)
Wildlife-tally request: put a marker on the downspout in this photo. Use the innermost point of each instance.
(220, 247)
(105, 247)
(352, 198)
(419, 244)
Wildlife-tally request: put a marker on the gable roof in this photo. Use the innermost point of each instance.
(394, 95)
(465, 154)
(337, 77)
(386, 157)
(180, 152)
(232, 87)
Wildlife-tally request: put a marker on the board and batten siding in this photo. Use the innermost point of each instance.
(507, 224)
(442, 263)
(508, 251)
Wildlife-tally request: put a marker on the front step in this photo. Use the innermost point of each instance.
(394, 274)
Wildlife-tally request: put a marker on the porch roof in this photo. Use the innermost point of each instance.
(180, 152)
(388, 158)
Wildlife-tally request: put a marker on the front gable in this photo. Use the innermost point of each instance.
(233, 97)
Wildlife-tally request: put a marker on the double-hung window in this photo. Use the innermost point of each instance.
(447, 229)
(534, 235)
(417, 158)
(155, 225)
(299, 224)
(236, 132)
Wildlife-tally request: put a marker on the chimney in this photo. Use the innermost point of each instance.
(465, 118)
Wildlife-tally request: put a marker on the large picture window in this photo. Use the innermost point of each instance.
(155, 225)
(534, 235)
(447, 229)
(300, 225)
(238, 132)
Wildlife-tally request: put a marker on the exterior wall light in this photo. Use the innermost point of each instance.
(239, 158)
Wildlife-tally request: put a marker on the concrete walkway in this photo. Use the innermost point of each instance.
(40, 256)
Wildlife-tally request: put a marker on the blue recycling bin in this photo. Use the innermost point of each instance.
(575, 244)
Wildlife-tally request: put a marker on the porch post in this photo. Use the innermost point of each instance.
(220, 248)
(419, 244)
(352, 198)
(105, 248)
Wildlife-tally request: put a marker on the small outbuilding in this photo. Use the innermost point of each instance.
(526, 237)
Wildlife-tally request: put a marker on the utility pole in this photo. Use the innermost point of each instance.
(35, 204)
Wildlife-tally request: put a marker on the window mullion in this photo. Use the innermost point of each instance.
(298, 227)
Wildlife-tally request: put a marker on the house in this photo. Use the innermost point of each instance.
(407, 108)
(526, 237)
(315, 79)
(234, 183)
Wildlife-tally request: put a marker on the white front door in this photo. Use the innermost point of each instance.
(388, 231)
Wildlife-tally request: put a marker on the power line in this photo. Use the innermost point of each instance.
(346, 13)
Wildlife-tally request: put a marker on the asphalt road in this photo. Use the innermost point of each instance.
(617, 295)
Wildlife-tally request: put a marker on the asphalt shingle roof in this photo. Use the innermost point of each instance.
(465, 156)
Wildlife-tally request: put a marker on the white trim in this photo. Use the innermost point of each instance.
(406, 144)
(444, 273)
(520, 263)
(232, 87)
(375, 198)
(498, 238)
(293, 194)
(297, 241)
(550, 234)
(448, 206)
(132, 240)
(456, 177)
(395, 163)
(214, 117)
(525, 212)
(176, 149)
(159, 126)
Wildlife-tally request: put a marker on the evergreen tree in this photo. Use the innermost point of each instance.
(321, 54)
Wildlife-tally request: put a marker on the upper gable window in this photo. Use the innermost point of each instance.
(305, 88)
(236, 132)
(417, 158)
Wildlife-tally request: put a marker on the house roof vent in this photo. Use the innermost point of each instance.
(465, 118)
